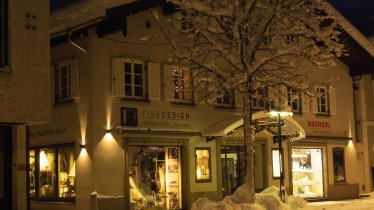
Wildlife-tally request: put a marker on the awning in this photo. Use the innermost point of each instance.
(221, 128)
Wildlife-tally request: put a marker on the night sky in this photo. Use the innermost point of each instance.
(359, 12)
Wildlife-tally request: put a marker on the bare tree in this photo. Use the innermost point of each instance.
(249, 45)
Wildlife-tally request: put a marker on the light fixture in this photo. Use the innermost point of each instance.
(82, 146)
(108, 130)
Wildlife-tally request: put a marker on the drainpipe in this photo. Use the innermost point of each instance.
(74, 43)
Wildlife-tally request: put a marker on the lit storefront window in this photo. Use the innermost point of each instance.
(339, 166)
(52, 173)
(203, 171)
(155, 177)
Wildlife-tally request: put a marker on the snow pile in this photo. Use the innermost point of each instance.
(266, 200)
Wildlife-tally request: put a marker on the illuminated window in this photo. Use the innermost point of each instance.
(322, 100)
(134, 78)
(66, 81)
(276, 163)
(227, 98)
(182, 84)
(293, 99)
(339, 166)
(203, 170)
(258, 99)
(4, 47)
(52, 173)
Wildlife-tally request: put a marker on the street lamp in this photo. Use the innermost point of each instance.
(280, 114)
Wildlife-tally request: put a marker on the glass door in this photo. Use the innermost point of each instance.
(307, 172)
(233, 168)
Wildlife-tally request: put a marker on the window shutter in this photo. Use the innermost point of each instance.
(332, 100)
(118, 88)
(74, 78)
(238, 99)
(53, 84)
(154, 81)
(168, 82)
(305, 106)
(314, 104)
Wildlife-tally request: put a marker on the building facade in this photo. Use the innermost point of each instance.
(127, 132)
(24, 84)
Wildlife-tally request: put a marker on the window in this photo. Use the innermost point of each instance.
(339, 166)
(322, 100)
(290, 39)
(4, 47)
(52, 173)
(276, 163)
(203, 171)
(181, 83)
(134, 78)
(258, 99)
(66, 81)
(226, 99)
(293, 100)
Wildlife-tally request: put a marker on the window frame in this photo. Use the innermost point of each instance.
(58, 84)
(56, 197)
(291, 94)
(203, 180)
(184, 84)
(4, 35)
(132, 84)
(342, 152)
(323, 97)
(259, 97)
(226, 96)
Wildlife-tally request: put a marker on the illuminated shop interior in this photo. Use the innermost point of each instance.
(155, 177)
(307, 172)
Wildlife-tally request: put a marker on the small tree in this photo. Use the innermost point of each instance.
(249, 45)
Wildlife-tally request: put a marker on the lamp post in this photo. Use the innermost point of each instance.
(280, 114)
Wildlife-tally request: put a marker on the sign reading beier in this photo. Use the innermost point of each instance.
(318, 124)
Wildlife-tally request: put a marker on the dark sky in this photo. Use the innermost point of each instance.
(359, 12)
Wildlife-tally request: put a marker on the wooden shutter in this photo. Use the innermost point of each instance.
(314, 105)
(168, 82)
(154, 81)
(74, 78)
(118, 88)
(238, 99)
(332, 100)
(305, 103)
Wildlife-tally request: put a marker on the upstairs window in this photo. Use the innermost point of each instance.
(339, 165)
(322, 100)
(129, 78)
(66, 81)
(4, 46)
(258, 99)
(293, 100)
(226, 99)
(182, 84)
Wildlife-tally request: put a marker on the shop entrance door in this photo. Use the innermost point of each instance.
(5, 168)
(307, 172)
(155, 177)
(233, 168)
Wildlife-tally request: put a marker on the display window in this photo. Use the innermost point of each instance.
(155, 177)
(52, 173)
(307, 172)
(233, 168)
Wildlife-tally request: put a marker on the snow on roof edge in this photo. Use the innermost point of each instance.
(351, 29)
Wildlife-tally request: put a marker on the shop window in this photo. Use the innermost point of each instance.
(339, 166)
(322, 100)
(129, 116)
(66, 81)
(293, 99)
(155, 177)
(4, 47)
(203, 170)
(276, 163)
(52, 173)
(226, 99)
(182, 84)
(258, 99)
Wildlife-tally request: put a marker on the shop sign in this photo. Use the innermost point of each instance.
(165, 119)
(48, 132)
(313, 124)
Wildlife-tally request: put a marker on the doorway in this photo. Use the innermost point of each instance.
(5, 167)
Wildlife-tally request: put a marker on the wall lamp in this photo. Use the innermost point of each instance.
(108, 130)
(82, 146)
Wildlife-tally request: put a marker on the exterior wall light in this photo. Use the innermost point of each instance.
(108, 130)
(82, 146)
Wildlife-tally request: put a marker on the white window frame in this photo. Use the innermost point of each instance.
(181, 81)
(226, 99)
(59, 97)
(132, 74)
(323, 100)
(294, 97)
(257, 97)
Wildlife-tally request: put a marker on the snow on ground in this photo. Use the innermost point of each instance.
(269, 200)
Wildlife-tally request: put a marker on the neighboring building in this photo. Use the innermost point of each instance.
(125, 124)
(24, 91)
